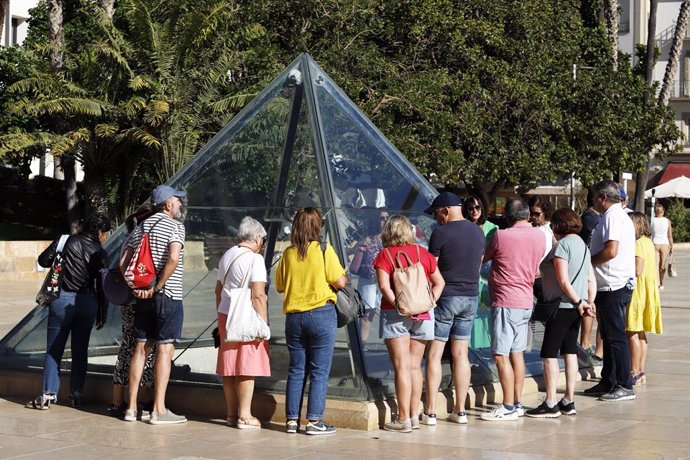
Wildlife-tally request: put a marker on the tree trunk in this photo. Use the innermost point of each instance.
(611, 18)
(3, 10)
(108, 7)
(641, 177)
(57, 36)
(67, 163)
(674, 53)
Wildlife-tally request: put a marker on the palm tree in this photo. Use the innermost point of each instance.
(674, 53)
(611, 17)
(145, 95)
(641, 177)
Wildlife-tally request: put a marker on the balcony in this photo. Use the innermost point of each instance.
(681, 89)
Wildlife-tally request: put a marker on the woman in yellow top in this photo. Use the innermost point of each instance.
(644, 311)
(305, 275)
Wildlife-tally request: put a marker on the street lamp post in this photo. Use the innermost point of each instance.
(572, 174)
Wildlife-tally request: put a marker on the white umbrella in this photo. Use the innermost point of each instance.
(678, 187)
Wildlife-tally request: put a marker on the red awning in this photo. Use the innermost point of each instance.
(672, 170)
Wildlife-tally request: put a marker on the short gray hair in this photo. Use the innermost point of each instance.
(610, 189)
(250, 230)
(516, 209)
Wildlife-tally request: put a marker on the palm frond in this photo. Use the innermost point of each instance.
(106, 129)
(139, 136)
(19, 141)
(62, 106)
(234, 102)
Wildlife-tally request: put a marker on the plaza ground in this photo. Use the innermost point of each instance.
(656, 425)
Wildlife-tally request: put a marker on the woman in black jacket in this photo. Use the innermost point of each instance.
(81, 304)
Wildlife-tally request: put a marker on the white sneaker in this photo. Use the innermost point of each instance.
(427, 419)
(519, 409)
(460, 418)
(500, 414)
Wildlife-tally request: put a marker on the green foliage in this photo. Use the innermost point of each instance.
(679, 216)
(479, 91)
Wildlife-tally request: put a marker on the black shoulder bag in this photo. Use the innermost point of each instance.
(349, 305)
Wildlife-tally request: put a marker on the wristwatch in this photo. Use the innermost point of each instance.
(156, 290)
(578, 303)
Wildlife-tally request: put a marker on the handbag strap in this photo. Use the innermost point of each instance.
(225, 278)
(61, 243)
(584, 256)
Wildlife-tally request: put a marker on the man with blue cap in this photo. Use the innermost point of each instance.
(159, 314)
(458, 245)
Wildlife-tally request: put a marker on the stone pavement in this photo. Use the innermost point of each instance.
(656, 425)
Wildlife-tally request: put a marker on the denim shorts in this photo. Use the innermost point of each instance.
(159, 319)
(454, 317)
(394, 325)
(509, 330)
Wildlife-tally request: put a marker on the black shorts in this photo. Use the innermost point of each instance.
(561, 334)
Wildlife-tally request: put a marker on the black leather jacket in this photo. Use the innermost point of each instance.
(84, 257)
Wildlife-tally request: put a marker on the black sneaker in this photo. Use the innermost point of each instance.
(599, 389)
(619, 394)
(567, 409)
(544, 411)
(291, 426)
(319, 427)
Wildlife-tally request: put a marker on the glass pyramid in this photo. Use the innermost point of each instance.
(300, 142)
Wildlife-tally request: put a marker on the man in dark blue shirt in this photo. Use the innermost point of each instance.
(458, 245)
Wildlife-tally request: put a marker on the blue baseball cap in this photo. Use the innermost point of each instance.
(443, 200)
(163, 192)
(624, 196)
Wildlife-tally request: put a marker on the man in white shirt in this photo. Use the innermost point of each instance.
(613, 258)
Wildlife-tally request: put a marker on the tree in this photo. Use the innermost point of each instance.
(137, 96)
(674, 52)
(641, 177)
(3, 10)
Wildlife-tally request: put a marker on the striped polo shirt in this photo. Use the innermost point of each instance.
(162, 231)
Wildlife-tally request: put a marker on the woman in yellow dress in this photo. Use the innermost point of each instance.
(644, 311)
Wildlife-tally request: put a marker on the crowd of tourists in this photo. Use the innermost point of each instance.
(607, 266)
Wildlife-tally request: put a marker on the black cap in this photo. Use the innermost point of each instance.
(443, 200)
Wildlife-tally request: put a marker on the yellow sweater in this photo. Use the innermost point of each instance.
(306, 283)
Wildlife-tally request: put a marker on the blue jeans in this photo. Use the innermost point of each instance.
(611, 311)
(74, 313)
(310, 339)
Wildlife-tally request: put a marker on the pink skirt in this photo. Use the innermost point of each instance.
(248, 359)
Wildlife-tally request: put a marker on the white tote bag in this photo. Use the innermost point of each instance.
(244, 324)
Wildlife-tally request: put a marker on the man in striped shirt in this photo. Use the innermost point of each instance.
(159, 314)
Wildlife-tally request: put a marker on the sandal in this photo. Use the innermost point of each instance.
(639, 379)
(42, 402)
(232, 421)
(251, 423)
(117, 410)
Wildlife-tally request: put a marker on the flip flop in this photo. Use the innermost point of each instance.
(248, 423)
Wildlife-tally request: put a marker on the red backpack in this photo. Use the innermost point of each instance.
(141, 272)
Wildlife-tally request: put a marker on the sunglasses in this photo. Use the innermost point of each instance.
(474, 208)
(535, 214)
